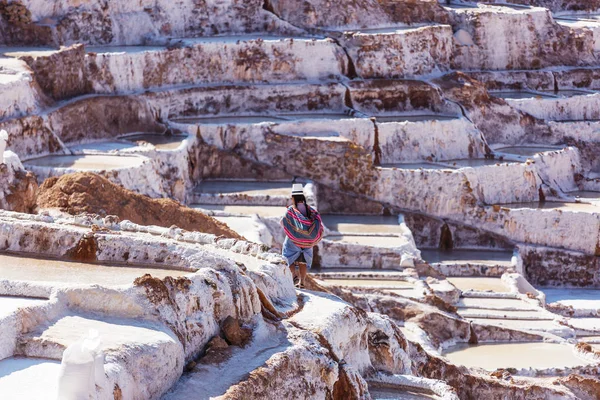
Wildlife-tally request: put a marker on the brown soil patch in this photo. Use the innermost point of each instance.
(86, 192)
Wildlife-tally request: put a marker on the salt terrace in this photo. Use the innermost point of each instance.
(147, 153)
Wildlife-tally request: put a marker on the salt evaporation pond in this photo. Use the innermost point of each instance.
(10, 304)
(586, 194)
(520, 95)
(232, 120)
(362, 223)
(567, 93)
(376, 241)
(382, 393)
(417, 166)
(161, 142)
(577, 298)
(29, 378)
(489, 257)
(383, 30)
(86, 162)
(263, 211)
(555, 205)
(317, 116)
(480, 284)
(477, 162)
(250, 188)
(414, 118)
(369, 283)
(527, 151)
(514, 355)
(19, 268)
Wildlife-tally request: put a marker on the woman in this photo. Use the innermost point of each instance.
(303, 230)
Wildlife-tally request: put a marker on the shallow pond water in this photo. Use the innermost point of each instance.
(514, 355)
(86, 162)
(21, 268)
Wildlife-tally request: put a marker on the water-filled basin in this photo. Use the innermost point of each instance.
(28, 378)
(521, 95)
(231, 120)
(527, 151)
(384, 393)
(316, 116)
(577, 298)
(369, 283)
(263, 211)
(250, 188)
(374, 241)
(483, 284)
(10, 304)
(414, 118)
(514, 355)
(476, 162)
(162, 142)
(87, 162)
(555, 205)
(362, 224)
(417, 166)
(21, 268)
(491, 257)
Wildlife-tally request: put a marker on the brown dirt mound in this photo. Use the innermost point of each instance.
(90, 193)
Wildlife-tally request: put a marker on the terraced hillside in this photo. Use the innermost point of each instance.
(147, 153)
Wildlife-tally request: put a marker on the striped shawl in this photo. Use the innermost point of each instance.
(304, 232)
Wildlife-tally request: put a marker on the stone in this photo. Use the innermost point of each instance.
(235, 333)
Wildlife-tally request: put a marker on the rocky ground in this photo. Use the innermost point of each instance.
(90, 193)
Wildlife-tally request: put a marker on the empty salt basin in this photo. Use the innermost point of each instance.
(480, 284)
(362, 224)
(555, 205)
(418, 166)
(390, 30)
(477, 162)
(374, 241)
(382, 283)
(577, 23)
(21, 268)
(87, 162)
(161, 142)
(586, 194)
(317, 116)
(587, 299)
(262, 211)
(527, 151)
(249, 188)
(388, 393)
(486, 257)
(10, 304)
(29, 378)
(515, 355)
(230, 120)
(567, 93)
(521, 95)
(414, 118)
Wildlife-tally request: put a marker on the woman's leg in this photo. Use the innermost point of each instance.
(303, 273)
(305, 266)
(291, 252)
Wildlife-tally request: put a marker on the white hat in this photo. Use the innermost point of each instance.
(297, 189)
